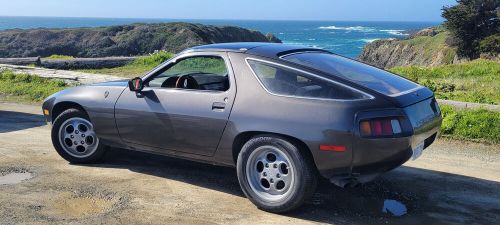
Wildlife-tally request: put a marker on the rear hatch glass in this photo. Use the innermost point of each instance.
(371, 77)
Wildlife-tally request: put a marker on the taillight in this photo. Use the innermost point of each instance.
(379, 127)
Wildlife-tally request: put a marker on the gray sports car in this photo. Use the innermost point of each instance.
(282, 115)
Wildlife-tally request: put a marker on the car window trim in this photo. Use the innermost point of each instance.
(370, 97)
(184, 90)
(155, 72)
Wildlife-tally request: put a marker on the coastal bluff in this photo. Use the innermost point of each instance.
(122, 40)
(427, 47)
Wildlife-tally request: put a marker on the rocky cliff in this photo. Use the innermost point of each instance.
(126, 40)
(427, 47)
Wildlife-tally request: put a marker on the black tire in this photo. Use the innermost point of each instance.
(64, 116)
(305, 174)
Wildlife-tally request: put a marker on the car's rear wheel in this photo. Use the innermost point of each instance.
(275, 174)
(74, 138)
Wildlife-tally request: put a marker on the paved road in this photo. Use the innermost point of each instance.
(453, 182)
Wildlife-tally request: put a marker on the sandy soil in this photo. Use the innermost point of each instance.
(452, 183)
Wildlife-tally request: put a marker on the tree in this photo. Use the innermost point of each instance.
(470, 21)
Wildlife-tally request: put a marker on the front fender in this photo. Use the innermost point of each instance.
(98, 101)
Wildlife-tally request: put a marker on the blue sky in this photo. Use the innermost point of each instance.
(350, 10)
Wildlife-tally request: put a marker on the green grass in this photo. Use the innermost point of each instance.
(478, 124)
(27, 88)
(59, 57)
(476, 81)
(137, 68)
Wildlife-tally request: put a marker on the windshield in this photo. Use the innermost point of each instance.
(368, 76)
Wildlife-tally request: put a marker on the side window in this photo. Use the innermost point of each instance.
(283, 81)
(197, 72)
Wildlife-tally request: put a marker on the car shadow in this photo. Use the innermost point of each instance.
(14, 121)
(428, 196)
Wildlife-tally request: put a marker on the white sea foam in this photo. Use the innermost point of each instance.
(355, 28)
(395, 32)
(369, 40)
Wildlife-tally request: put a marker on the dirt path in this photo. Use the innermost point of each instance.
(453, 182)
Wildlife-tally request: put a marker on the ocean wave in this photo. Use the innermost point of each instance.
(395, 32)
(369, 40)
(355, 28)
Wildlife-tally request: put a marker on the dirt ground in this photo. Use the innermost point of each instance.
(452, 183)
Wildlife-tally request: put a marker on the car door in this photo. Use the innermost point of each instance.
(164, 117)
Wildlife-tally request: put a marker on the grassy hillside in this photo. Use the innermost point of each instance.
(475, 81)
(122, 40)
(427, 47)
(431, 45)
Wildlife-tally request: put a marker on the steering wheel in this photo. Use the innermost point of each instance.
(187, 82)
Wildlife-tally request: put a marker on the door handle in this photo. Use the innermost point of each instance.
(218, 106)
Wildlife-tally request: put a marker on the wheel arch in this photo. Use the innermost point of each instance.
(60, 107)
(243, 137)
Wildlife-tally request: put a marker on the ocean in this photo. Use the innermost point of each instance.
(346, 38)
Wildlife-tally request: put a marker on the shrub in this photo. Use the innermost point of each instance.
(477, 124)
(153, 59)
(490, 45)
(59, 57)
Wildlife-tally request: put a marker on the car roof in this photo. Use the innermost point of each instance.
(265, 49)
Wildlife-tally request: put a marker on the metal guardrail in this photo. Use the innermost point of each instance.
(468, 105)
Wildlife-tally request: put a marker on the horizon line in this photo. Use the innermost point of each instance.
(158, 18)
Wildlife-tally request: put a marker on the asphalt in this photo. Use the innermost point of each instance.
(453, 182)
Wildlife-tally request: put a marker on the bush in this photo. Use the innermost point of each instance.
(153, 59)
(490, 45)
(59, 57)
(477, 124)
(475, 81)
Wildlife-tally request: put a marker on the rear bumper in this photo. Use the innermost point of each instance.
(376, 157)
(372, 157)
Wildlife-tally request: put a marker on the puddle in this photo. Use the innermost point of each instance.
(15, 177)
(394, 207)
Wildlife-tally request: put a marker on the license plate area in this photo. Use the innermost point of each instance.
(417, 151)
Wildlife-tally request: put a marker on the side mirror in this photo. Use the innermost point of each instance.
(135, 84)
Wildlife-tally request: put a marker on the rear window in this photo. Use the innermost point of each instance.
(368, 76)
(285, 81)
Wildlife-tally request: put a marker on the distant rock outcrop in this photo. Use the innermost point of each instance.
(431, 32)
(125, 40)
(426, 47)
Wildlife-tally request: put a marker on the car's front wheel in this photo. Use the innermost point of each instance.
(74, 138)
(275, 174)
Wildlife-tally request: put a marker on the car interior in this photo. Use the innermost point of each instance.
(198, 73)
(292, 83)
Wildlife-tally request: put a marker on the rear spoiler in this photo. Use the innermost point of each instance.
(412, 96)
